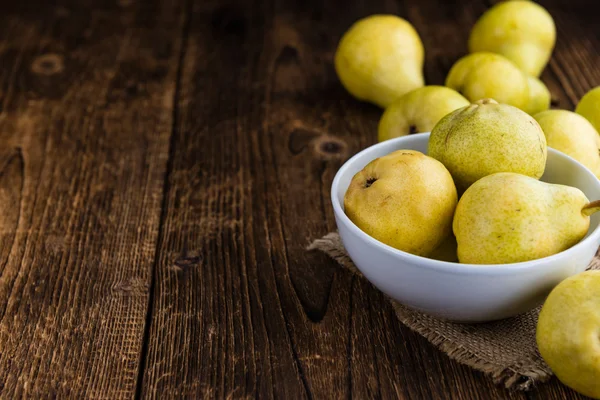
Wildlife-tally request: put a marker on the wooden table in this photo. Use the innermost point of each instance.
(163, 166)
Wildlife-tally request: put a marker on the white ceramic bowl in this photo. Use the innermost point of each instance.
(463, 292)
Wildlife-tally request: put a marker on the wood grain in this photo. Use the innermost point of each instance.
(263, 125)
(163, 166)
(87, 98)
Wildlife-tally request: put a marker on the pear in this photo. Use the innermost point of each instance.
(405, 200)
(573, 135)
(485, 138)
(508, 218)
(380, 58)
(589, 107)
(445, 251)
(418, 111)
(521, 31)
(567, 332)
(487, 75)
(539, 96)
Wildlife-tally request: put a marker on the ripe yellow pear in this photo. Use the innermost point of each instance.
(418, 111)
(521, 31)
(405, 200)
(573, 135)
(567, 332)
(589, 107)
(487, 75)
(380, 58)
(539, 96)
(508, 218)
(485, 138)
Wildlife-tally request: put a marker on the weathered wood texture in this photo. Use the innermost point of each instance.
(239, 307)
(87, 95)
(164, 164)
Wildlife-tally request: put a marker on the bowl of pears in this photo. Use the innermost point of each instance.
(476, 221)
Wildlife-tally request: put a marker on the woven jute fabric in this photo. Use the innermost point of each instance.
(506, 349)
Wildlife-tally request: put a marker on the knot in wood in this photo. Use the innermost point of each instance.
(329, 147)
(48, 64)
(186, 260)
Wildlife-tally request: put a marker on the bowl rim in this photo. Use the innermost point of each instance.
(446, 266)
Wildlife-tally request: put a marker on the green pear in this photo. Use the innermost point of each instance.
(508, 218)
(521, 31)
(485, 138)
(573, 135)
(379, 59)
(567, 332)
(418, 111)
(487, 75)
(589, 107)
(539, 96)
(405, 200)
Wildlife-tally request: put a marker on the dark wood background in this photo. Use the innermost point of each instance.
(164, 164)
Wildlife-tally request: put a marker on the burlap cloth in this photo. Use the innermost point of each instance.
(504, 349)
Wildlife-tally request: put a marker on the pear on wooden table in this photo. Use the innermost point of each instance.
(418, 111)
(380, 58)
(521, 31)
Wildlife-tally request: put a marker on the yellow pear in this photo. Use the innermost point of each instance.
(507, 218)
(418, 111)
(380, 58)
(573, 135)
(405, 200)
(589, 107)
(487, 75)
(485, 138)
(567, 332)
(521, 31)
(539, 96)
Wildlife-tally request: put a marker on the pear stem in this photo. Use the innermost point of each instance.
(591, 208)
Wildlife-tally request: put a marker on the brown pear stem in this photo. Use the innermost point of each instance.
(591, 208)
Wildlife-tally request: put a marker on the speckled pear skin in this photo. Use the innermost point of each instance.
(405, 200)
(567, 332)
(485, 138)
(507, 218)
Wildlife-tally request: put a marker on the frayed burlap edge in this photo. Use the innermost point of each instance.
(507, 376)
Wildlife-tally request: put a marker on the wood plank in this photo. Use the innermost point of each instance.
(240, 309)
(87, 93)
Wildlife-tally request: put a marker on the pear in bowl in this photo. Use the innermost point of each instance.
(404, 199)
(485, 138)
(508, 218)
(454, 291)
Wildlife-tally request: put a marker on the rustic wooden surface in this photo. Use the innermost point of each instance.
(164, 164)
